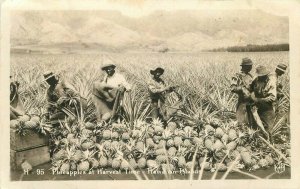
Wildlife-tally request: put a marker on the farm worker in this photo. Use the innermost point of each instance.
(240, 84)
(62, 98)
(108, 93)
(279, 71)
(157, 91)
(263, 94)
(16, 105)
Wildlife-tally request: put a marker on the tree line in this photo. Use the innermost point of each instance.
(253, 48)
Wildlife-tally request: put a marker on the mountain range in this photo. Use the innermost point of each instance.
(184, 30)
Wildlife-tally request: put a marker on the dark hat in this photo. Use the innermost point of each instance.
(157, 70)
(262, 70)
(281, 67)
(48, 75)
(246, 62)
(106, 66)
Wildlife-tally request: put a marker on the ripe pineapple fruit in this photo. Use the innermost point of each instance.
(232, 135)
(151, 164)
(124, 165)
(206, 166)
(160, 151)
(94, 163)
(161, 159)
(221, 167)
(115, 144)
(115, 135)
(225, 138)
(133, 163)
(172, 126)
(61, 154)
(142, 163)
(90, 126)
(263, 163)
(139, 146)
(246, 158)
(103, 162)
(170, 143)
(209, 130)
(219, 132)
(78, 155)
(65, 167)
(181, 162)
(172, 151)
(187, 143)
(83, 166)
(158, 130)
(125, 136)
(190, 165)
(177, 141)
(162, 144)
(88, 144)
(136, 134)
(106, 135)
(109, 162)
(269, 159)
(149, 142)
(116, 163)
(156, 139)
(231, 145)
(209, 143)
(198, 141)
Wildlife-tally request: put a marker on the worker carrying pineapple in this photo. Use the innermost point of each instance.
(240, 84)
(108, 93)
(63, 100)
(16, 104)
(263, 94)
(157, 93)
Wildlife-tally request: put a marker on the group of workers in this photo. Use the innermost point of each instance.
(261, 92)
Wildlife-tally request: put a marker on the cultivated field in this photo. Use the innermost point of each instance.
(203, 79)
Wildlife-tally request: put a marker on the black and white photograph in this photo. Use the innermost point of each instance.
(165, 94)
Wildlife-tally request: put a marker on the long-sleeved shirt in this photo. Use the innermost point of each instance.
(264, 89)
(240, 84)
(116, 80)
(156, 90)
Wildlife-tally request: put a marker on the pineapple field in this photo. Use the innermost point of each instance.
(202, 136)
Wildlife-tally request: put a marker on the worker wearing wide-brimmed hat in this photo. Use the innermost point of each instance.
(59, 95)
(264, 94)
(16, 104)
(240, 84)
(157, 91)
(108, 93)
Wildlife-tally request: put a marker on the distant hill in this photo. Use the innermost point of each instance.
(176, 31)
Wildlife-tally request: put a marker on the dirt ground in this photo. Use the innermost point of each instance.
(43, 172)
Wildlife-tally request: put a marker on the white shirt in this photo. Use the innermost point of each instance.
(116, 80)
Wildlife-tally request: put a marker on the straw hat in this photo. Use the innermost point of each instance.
(262, 70)
(246, 62)
(281, 67)
(106, 66)
(157, 70)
